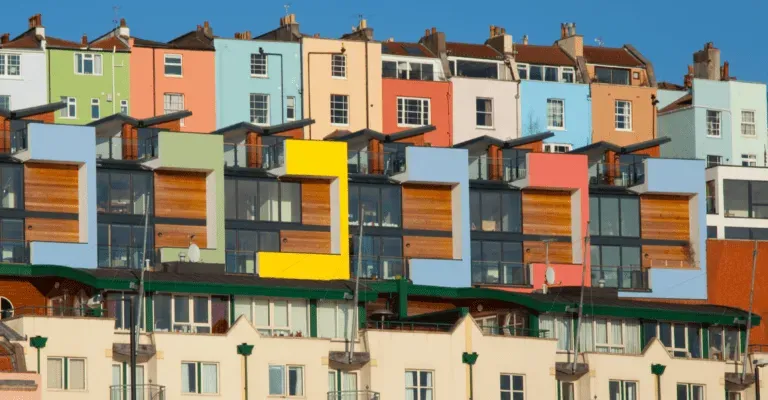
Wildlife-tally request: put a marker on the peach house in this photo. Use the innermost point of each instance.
(175, 76)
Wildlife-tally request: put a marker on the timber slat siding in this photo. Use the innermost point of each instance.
(666, 257)
(180, 195)
(180, 235)
(305, 242)
(51, 188)
(52, 230)
(664, 217)
(316, 202)
(546, 213)
(427, 208)
(428, 247)
(559, 252)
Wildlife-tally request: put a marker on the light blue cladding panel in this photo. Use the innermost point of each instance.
(72, 145)
(682, 177)
(433, 165)
(578, 111)
(235, 84)
(714, 96)
(680, 127)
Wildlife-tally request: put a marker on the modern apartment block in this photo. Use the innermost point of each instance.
(716, 117)
(735, 197)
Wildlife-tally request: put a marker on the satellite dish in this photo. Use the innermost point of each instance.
(550, 275)
(94, 301)
(193, 253)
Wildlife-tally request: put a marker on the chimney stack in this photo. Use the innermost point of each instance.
(570, 42)
(492, 34)
(35, 21)
(500, 41)
(84, 41)
(688, 78)
(435, 42)
(207, 30)
(5, 38)
(360, 32)
(562, 31)
(706, 63)
(123, 30)
(725, 72)
(247, 35)
(525, 40)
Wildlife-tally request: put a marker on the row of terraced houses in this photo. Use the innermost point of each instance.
(291, 216)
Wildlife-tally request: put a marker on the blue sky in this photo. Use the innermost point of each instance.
(666, 32)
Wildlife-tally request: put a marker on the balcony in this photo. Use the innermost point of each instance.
(17, 140)
(620, 175)
(408, 326)
(378, 267)
(239, 155)
(622, 278)
(515, 331)
(119, 149)
(124, 256)
(490, 169)
(14, 252)
(500, 273)
(241, 262)
(54, 311)
(353, 395)
(375, 163)
(143, 392)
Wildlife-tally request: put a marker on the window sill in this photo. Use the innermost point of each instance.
(260, 76)
(410, 125)
(335, 124)
(173, 76)
(625, 130)
(12, 77)
(749, 136)
(714, 137)
(339, 77)
(487, 128)
(552, 128)
(88, 74)
(202, 394)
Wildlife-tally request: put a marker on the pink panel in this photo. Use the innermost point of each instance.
(565, 275)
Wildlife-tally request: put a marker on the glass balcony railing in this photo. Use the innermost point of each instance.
(18, 140)
(124, 256)
(143, 392)
(514, 331)
(503, 169)
(623, 175)
(353, 395)
(500, 273)
(375, 163)
(54, 311)
(408, 326)
(117, 148)
(239, 155)
(241, 262)
(622, 278)
(378, 267)
(14, 252)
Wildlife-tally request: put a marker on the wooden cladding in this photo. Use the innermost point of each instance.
(316, 202)
(664, 217)
(667, 257)
(52, 230)
(180, 195)
(427, 208)
(559, 252)
(180, 235)
(51, 188)
(546, 213)
(428, 247)
(305, 242)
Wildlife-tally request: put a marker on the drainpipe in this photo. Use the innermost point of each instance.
(38, 342)
(114, 49)
(658, 370)
(367, 102)
(309, 80)
(245, 350)
(282, 86)
(470, 359)
(154, 84)
(654, 102)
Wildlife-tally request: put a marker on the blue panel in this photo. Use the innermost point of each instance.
(578, 111)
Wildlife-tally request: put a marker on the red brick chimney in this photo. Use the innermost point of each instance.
(84, 40)
(725, 72)
(36, 20)
(688, 78)
(5, 38)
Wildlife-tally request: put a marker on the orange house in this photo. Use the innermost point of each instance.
(175, 76)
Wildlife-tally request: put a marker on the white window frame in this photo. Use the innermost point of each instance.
(402, 112)
(291, 107)
(418, 386)
(714, 119)
(336, 305)
(259, 61)
(168, 100)
(609, 346)
(66, 380)
(524, 67)
(251, 102)
(493, 122)
(286, 373)
(96, 59)
(180, 64)
(339, 66)
(97, 103)
(346, 110)
(5, 61)
(689, 389)
(623, 388)
(627, 115)
(124, 107)
(199, 381)
(64, 112)
(561, 72)
(748, 125)
(271, 329)
(551, 147)
(748, 160)
(6, 96)
(567, 70)
(191, 324)
(675, 346)
(511, 390)
(551, 102)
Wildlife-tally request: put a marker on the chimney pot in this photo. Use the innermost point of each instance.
(316, 35)
(206, 25)
(725, 74)
(84, 40)
(363, 24)
(247, 35)
(492, 32)
(4, 39)
(562, 31)
(434, 30)
(122, 23)
(525, 40)
(426, 32)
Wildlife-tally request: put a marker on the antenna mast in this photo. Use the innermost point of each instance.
(581, 300)
(143, 265)
(357, 285)
(116, 20)
(749, 315)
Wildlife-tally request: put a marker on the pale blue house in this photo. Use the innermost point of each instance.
(553, 97)
(257, 81)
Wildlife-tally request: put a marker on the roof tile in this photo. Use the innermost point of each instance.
(402, 49)
(546, 55)
(611, 56)
(470, 50)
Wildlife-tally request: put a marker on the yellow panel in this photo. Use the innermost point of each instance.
(316, 159)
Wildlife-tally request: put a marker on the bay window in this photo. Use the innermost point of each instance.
(681, 340)
(724, 343)
(274, 317)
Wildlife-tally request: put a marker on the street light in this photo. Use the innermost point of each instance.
(758, 364)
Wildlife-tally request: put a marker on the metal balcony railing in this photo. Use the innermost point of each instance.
(124, 256)
(408, 326)
(239, 155)
(241, 262)
(55, 311)
(353, 395)
(514, 331)
(622, 278)
(143, 392)
(118, 148)
(375, 163)
(378, 267)
(495, 169)
(500, 273)
(613, 174)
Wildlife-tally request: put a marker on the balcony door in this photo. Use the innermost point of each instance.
(342, 385)
(121, 383)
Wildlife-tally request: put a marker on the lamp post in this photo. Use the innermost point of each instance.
(245, 350)
(470, 359)
(658, 370)
(38, 342)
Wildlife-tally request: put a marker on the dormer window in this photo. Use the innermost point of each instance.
(615, 76)
(546, 73)
(474, 69)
